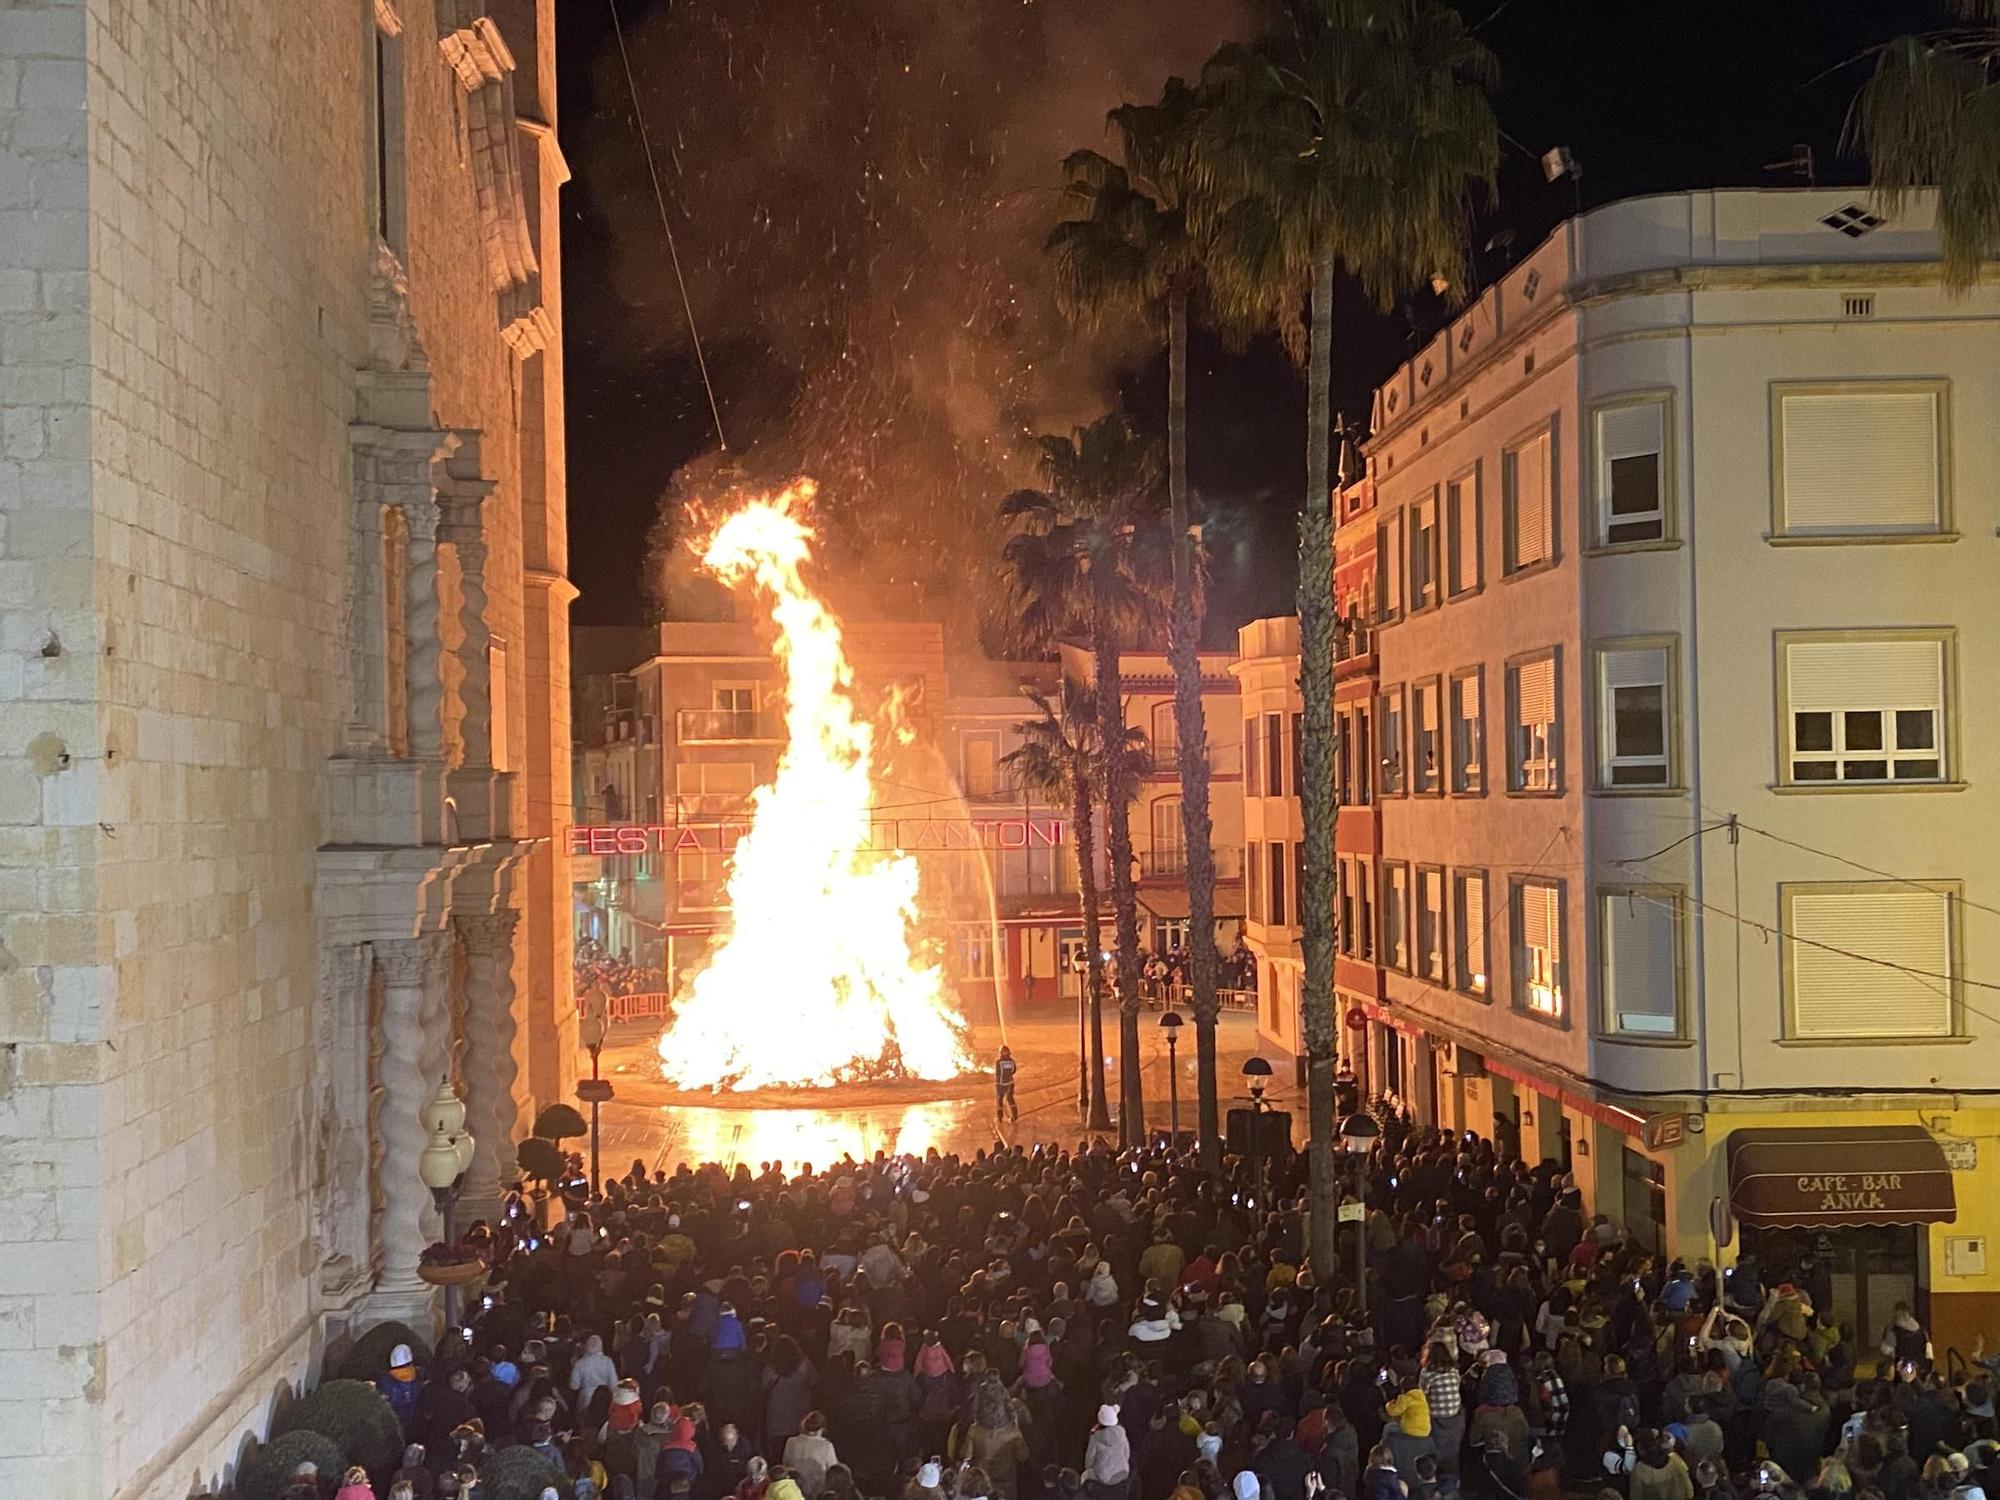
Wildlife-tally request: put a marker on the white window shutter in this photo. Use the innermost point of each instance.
(1531, 501)
(1468, 698)
(1538, 917)
(1633, 668)
(1891, 931)
(1629, 431)
(1860, 461)
(1835, 675)
(1474, 940)
(1535, 692)
(1641, 962)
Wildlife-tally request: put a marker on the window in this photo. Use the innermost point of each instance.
(1864, 710)
(1634, 737)
(1274, 756)
(1426, 749)
(1364, 907)
(1895, 971)
(1631, 473)
(1464, 547)
(1343, 759)
(1253, 881)
(1538, 947)
(1396, 915)
(1298, 754)
(972, 952)
(1639, 933)
(1165, 736)
(701, 880)
(1299, 883)
(1430, 923)
(1389, 714)
(1860, 461)
(1277, 884)
(1344, 903)
(386, 164)
(1168, 856)
(1424, 553)
(1468, 732)
(706, 790)
(982, 760)
(1527, 486)
(1389, 567)
(1364, 755)
(1534, 749)
(1253, 764)
(1469, 922)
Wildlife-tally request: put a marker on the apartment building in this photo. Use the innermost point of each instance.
(1159, 843)
(1267, 677)
(1684, 534)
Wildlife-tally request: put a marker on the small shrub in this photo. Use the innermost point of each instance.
(266, 1476)
(518, 1473)
(540, 1161)
(369, 1358)
(559, 1122)
(356, 1416)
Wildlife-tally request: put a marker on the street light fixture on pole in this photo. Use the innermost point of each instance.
(446, 1157)
(591, 1028)
(1358, 1135)
(1257, 1071)
(1170, 1023)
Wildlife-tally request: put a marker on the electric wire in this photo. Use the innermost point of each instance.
(666, 223)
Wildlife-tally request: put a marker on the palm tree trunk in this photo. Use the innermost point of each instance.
(1318, 805)
(1099, 1116)
(1191, 734)
(1124, 900)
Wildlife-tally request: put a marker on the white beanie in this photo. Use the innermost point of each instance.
(1246, 1486)
(401, 1356)
(1107, 1415)
(929, 1477)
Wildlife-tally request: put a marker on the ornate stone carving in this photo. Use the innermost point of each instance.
(338, 1124)
(408, 1221)
(492, 1105)
(425, 647)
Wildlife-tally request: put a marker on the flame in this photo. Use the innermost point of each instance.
(816, 980)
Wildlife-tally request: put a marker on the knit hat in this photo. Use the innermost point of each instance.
(929, 1477)
(1245, 1485)
(400, 1357)
(1107, 1415)
(625, 1393)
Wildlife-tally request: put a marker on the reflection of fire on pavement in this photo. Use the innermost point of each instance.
(816, 980)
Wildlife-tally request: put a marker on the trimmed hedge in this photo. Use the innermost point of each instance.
(356, 1416)
(519, 1473)
(266, 1476)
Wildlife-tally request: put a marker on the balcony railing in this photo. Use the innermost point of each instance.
(729, 726)
(1155, 864)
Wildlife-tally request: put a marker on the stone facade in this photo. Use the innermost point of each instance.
(283, 688)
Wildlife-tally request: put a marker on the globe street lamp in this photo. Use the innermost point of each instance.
(446, 1157)
(1170, 1023)
(1358, 1135)
(1257, 1073)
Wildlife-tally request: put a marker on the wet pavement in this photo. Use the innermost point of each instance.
(648, 1123)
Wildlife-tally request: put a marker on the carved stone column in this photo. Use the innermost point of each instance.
(339, 1124)
(408, 1220)
(491, 1102)
(426, 646)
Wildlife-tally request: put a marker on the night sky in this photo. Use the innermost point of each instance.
(858, 189)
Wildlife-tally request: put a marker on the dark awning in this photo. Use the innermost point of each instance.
(1839, 1175)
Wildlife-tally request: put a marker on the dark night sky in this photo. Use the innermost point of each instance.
(743, 102)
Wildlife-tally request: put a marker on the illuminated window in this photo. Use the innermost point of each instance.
(1538, 947)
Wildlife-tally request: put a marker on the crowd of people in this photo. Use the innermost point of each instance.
(1054, 1325)
(1165, 972)
(614, 973)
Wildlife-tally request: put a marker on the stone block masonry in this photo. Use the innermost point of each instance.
(187, 235)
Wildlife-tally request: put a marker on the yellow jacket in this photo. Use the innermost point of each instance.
(1412, 1412)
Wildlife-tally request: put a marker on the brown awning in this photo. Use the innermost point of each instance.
(1171, 901)
(1835, 1175)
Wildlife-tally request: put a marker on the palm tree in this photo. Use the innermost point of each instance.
(1930, 117)
(1134, 243)
(1351, 140)
(1076, 566)
(1058, 759)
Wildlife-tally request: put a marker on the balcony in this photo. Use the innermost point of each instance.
(728, 726)
(1161, 864)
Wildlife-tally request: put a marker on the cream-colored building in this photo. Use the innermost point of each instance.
(1267, 676)
(1686, 535)
(283, 690)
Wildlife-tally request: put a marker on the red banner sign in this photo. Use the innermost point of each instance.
(909, 835)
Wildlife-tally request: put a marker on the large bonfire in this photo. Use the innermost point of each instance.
(816, 979)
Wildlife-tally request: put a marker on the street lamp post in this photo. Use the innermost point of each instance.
(1258, 1072)
(1358, 1135)
(594, 1023)
(1170, 1023)
(446, 1156)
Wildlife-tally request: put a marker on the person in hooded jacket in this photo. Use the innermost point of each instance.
(1107, 1458)
(809, 1453)
(789, 1381)
(934, 1392)
(592, 1372)
(732, 1383)
(679, 1458)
